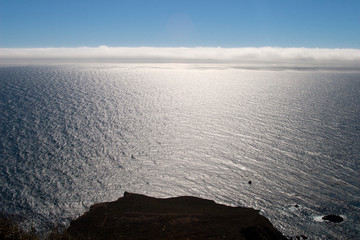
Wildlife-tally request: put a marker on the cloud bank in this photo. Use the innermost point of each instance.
(256, 57)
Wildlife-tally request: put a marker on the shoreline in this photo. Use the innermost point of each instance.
(136, 216)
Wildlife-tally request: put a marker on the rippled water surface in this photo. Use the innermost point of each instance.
(73, 135)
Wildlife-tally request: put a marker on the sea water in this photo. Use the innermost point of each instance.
(74, 135)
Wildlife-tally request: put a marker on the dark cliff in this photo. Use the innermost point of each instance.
(137, 216)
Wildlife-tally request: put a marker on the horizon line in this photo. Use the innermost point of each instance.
(279, 56)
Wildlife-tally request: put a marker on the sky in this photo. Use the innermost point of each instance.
(180, 23)
(196, 30)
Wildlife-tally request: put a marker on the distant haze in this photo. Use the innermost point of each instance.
(252, 57)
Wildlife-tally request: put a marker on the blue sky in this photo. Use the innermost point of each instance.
(188, 23)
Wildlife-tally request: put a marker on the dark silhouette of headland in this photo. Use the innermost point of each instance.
(136, 216)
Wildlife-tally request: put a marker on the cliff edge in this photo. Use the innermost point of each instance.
(136, 216)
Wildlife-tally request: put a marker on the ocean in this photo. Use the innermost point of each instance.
(76, 134)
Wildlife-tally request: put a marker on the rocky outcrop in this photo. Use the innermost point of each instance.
(333, 218)
(137, 216)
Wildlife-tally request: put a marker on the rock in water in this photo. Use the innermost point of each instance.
(333, 218)
(137, 216)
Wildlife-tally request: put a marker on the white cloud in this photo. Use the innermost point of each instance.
(256, 57)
